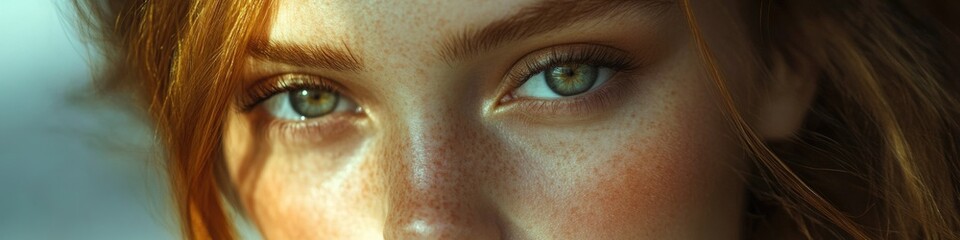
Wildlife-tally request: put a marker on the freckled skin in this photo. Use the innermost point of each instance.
(429, 159)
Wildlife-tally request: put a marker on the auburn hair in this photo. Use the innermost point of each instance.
(877, 156)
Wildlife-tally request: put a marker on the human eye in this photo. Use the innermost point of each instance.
(566, 79)
(299, 97)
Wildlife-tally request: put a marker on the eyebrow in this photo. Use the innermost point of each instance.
(544, 16)
(339, 58)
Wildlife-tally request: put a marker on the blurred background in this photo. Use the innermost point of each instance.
(70, 167)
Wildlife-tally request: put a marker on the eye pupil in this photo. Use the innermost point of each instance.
(571, 79)
(311, 103)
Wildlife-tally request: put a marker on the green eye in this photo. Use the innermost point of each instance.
(311, 103)
(298, 97)
(571, 79)
(564, 80)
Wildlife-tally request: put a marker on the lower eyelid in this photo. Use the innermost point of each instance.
(573, 108)
(314, 131)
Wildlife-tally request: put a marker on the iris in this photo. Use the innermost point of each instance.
(571, 79)
(311, 103)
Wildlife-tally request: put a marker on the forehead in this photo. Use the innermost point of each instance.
(427, 31)
(380, 22)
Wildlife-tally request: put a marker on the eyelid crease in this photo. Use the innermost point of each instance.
(263, 90)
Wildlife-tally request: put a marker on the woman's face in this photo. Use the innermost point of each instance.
(518, 119)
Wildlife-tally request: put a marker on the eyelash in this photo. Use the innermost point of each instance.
(589, 55)
(286, 82)
(593, 55)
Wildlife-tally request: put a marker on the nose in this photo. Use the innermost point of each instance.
(434, 180)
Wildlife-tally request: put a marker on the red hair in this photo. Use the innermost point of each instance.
(886, 112)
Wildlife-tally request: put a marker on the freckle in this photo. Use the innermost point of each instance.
(441, 23)
(378, 24)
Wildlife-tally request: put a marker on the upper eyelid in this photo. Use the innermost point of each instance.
(543, 58)
(522, 69)
(270, 86)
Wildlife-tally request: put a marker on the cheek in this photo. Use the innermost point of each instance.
(667, 170)
(302, 202)
(654, 190)
(293, 191)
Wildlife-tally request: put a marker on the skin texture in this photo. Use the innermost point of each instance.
(437, 153)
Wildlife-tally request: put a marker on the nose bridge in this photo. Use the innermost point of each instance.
(437, 153)
(432, 178)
